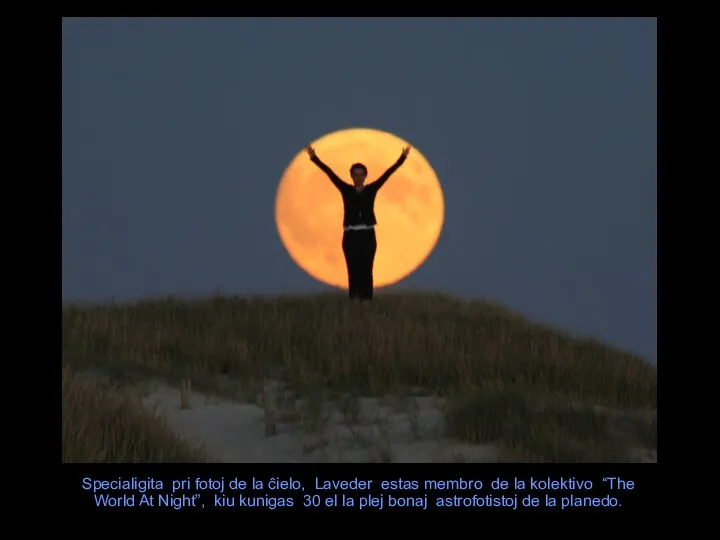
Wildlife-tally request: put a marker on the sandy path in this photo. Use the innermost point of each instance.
(234, 432)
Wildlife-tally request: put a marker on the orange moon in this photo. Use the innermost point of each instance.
(410, 207)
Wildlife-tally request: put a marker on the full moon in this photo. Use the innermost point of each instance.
(409, 208)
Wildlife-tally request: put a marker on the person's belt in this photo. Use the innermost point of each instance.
(358, 227)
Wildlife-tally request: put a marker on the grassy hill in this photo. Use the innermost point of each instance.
(539, 393)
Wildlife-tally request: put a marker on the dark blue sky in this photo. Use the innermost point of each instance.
(542, 132)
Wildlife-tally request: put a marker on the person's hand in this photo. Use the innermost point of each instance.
(406, 150)
(310, 151)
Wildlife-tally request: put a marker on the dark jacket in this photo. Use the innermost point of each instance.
(359, 206)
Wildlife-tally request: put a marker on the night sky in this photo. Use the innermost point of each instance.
(543, 134)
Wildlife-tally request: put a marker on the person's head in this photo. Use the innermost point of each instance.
(358, 173)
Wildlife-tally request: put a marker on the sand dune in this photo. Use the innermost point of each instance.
(366, 430)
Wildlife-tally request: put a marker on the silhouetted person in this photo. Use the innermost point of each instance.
(359, 243)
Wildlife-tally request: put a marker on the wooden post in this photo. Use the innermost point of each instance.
(185, 391)
(269, 404)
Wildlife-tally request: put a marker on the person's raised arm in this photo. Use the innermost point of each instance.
(334, 178)
(377, 184)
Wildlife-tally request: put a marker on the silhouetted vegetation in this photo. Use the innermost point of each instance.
(536, 391)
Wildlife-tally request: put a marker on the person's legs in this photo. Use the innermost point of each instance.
(349, 246)
(366, 260)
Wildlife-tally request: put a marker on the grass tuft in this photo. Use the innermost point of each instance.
(100, 423)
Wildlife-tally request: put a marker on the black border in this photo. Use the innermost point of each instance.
(640, 497)
(43, 112)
